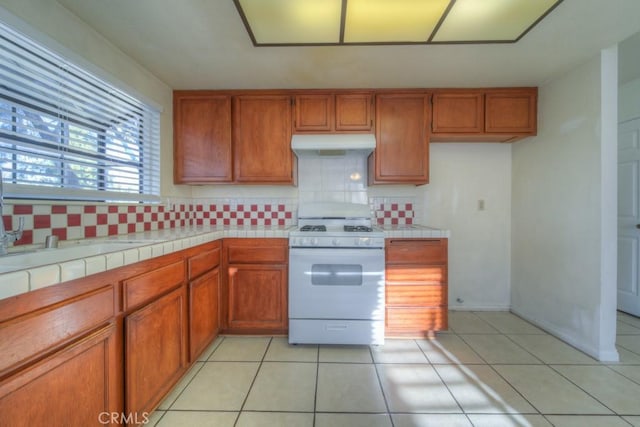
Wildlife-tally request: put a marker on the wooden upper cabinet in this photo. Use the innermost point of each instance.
(313, 113)
(484, 115)
(402, 140)
(458, 112)
(202, 138)
(511, 112)
(262, 139)
(354, 112)
(333, 112)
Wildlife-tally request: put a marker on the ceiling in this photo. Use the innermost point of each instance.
(203, 44)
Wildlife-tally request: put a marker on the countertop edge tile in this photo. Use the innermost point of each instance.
(162, 242)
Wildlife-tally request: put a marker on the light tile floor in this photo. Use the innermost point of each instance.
(490, 369)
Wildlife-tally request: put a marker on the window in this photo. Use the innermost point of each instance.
(66, 134)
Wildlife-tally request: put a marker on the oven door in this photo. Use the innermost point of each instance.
(336, 283)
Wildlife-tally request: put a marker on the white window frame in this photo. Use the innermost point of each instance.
(69, 134)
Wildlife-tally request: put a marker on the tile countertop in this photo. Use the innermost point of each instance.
(160, 242)
(414, 231)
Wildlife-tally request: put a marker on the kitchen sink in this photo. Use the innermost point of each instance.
(83, 249)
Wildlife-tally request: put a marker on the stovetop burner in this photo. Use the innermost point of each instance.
(357, 228)
(313, 228)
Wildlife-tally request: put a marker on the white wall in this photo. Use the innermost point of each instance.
(557, 215)
(51, 21)
(461, 174)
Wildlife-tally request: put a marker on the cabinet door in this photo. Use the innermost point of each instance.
(202, 139)
(460, 112)
(313, 113)
(72, 387)
(402, 146)
(155, 349)
(416, 286)
(511, 112)
(262, 139)
(257, 297)
(354, 112)
(203, 312)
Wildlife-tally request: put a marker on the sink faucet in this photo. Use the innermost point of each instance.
(7, 237)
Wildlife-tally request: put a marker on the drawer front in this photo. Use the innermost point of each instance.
(417, 295)
(416, 251)
(416, 274)
(27, 336)
(251, 255)
(148, 286)
(201, 263)
(416, 319)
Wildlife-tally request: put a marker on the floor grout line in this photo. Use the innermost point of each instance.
(379, 362)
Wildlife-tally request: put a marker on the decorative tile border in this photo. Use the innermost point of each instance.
(243, 214)
(390, 211)
(77, 221)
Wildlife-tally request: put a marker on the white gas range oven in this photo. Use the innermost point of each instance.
(336, 276)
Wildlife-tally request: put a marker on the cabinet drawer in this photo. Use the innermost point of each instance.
(417, 295)
(416, 251)
(416, 319)
(253, 255)
(146, 287)
(201, 263)
(416, 274)
(33, 333)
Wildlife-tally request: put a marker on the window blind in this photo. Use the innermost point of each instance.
(66, 134)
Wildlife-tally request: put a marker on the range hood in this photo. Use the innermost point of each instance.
(334, 144)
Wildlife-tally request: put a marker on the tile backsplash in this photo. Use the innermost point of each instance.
(393, 210)
(332, 178)
(78, 221)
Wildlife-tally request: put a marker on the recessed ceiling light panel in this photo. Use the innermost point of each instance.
(490, 20)
(348, 22)
(384, 21)
(293, 21)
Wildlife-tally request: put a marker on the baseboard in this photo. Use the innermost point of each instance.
(468, 307)
(602, 356)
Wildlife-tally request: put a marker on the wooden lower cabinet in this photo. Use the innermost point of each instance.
(156, 350)
(257, 297)
(77, 386)
(416, 286)
(204, 297)
(256, 285)
(203, 311)
(110, 346)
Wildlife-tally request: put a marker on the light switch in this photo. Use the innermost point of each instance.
(481, 204)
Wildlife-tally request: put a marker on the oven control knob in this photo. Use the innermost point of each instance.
(303, 241)
(335, 242)
(314, 241)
